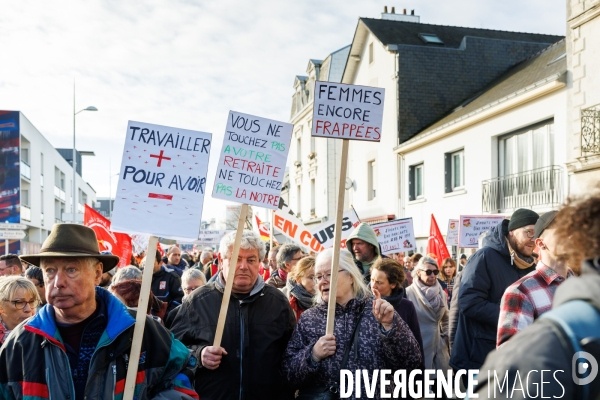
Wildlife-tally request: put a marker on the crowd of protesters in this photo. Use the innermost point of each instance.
(67, 314)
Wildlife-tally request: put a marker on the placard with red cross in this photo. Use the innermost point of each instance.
(162, 181)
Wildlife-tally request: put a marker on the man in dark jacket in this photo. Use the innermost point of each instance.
(505, 257)
(258, 327)
(77, 347)
(166, 285)
(175, 262)
(543, 348)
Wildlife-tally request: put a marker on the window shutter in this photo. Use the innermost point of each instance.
(447, 173)
(411, 184)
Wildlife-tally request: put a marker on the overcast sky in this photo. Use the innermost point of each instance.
(187, 63)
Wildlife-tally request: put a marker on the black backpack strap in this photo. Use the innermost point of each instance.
(353, 339)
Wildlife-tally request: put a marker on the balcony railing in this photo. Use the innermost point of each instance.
(538, 188)
(59, 193)
(25, 213)
(590, 130)
(25, 170)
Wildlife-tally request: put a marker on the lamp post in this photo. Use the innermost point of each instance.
(74, 201)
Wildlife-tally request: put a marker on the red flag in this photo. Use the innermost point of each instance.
(263, 231)
(118, 244)
(436, 246)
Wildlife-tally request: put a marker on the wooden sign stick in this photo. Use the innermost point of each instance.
(230, 276)
(140, 320)
(337, 238)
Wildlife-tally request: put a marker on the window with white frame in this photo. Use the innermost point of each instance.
(370, 52)
(372, 178)
(298, 202)
(415, 181)
(527, 150)
(454, 171)
(312, 197)
(299, 149)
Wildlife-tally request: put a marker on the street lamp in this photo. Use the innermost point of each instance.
(90, 108)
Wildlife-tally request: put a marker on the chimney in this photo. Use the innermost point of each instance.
(400, 16)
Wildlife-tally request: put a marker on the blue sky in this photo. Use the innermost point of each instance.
(187, 63)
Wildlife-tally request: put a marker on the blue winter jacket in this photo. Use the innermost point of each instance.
(485, 278)
(34, 364)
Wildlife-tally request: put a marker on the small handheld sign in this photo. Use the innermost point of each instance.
(163, 175)
(345, 112)
(395, 236)
(250, 171)
(471, 227)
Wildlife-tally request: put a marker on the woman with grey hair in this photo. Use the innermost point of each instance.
(125, 274)
(368, 333)
(430, 302)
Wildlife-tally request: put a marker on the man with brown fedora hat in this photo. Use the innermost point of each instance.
(78, 344)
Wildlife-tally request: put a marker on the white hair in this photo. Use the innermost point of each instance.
(125, 274)
(421, 265)
(191, 274)
(346, 263)
(250, 240)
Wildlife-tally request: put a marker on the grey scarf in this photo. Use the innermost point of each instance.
(434, 294)
(304, 297)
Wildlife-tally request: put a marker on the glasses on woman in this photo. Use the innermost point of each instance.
(318, 278)
(20, 304)
(431, 271)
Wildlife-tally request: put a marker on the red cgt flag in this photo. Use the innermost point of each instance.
(118, 244)
(436, 246)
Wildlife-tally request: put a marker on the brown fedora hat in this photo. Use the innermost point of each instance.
(71, 240)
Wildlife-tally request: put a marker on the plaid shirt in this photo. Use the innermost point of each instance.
(526, 299)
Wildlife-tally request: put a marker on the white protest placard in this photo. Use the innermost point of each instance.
(395, 236)
(452, 233)
(472, 226)
(324, 232)
(209, 237)
(162, 181)
(294, 229)
(252, 161)
(347, 111)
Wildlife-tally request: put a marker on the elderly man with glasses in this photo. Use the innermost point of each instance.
(505, 257)
(288, 255)
(77, 346)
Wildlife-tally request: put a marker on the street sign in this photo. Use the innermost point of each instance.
(12, 234)
(12, 227)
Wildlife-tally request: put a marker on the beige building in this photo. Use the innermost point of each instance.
(583, 94)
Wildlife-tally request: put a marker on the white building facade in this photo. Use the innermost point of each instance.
(45, 187)
(313, 163)
(469, 116)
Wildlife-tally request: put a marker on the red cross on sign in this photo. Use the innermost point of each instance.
(160, 157)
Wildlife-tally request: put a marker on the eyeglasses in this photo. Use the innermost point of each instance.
(529, 232)
(431, 271)
(327, 277)
(19, 304)
(190, 289)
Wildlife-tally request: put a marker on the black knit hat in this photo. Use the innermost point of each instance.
(522, 217)
(544, 222)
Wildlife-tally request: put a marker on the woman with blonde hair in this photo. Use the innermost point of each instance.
(18, 301)
(447, 275)
(300, 286)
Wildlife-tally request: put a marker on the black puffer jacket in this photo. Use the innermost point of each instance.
(257, 330)
(485, 278)
(539, 347)
(167, 287)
